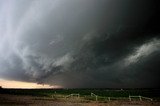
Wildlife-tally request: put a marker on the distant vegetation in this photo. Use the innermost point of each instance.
(153, 93)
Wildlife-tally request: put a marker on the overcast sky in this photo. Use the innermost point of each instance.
(81, 43)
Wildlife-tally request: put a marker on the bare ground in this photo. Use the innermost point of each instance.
(14, 100)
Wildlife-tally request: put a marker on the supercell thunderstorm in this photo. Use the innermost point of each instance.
(79, 43)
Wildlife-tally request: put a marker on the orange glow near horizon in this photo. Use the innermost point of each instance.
(23, 85)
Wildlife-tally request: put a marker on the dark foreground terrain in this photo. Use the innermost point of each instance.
(63, 97)
(19, 100)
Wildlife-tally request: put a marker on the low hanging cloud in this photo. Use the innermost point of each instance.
(80, 44)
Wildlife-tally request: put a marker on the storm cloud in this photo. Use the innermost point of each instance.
(81, 43)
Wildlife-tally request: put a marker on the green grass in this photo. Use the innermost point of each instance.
(84, 92)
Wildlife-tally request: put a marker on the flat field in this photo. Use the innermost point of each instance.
(79, 97)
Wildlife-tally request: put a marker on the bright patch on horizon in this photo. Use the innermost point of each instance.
(20, 84)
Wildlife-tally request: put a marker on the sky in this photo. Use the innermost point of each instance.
(24, 85)
(80, 43)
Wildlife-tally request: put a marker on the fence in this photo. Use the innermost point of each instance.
(112, 98)
(73, 95)
(96, 96)
(140, 98)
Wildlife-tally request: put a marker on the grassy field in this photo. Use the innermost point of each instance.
(81, 97)
(152, 93)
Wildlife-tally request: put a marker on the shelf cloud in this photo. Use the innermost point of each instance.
(81, 43)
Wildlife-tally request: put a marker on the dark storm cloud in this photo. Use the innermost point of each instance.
(79, 43)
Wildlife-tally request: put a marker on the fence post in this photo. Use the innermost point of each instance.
(96, 98)
(129, 98)
(92, 94)
(140, 98)
(109, 98)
